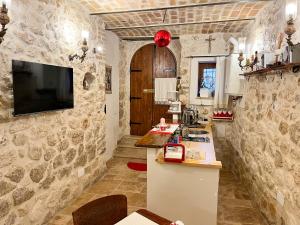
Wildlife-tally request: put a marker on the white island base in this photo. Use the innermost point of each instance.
(182, 192)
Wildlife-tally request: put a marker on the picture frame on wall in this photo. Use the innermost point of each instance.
(108, 81)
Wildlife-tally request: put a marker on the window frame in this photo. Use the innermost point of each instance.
(201, 72)
(194, 99)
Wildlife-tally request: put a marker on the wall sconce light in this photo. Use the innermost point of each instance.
(98, 49)
(250, 63)
(84, 48)
(4, 19)
(291, 14)
(242, 44)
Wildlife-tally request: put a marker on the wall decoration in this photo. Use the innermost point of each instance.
(162, 38)
(88, 80)
(209, 40)
(108, 84)
(4, 20)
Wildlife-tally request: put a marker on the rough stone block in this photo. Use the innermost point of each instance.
(16, 174)
(21, 195)
(37, 173)
(6, 187)
(4, 208)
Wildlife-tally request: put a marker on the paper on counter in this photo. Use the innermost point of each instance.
(136, 219)
(171, 130)
(173, 155)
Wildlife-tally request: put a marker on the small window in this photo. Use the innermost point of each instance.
(206, 80)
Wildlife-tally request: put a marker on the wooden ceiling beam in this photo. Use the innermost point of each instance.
(178, 7)
(177, 24)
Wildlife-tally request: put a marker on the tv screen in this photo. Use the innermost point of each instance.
(39, 87)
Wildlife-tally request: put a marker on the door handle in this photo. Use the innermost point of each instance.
(134, 123)
(134, 98)
(147, 91)
(135, 70)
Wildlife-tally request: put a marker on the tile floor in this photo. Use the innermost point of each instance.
(234, 208)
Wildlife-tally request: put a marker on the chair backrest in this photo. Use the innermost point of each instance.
(103, 211)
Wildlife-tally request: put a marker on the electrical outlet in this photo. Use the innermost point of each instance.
(11, 113)
(80, 172)
(280, 198)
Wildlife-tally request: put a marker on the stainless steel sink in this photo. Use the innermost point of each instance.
(198, 132)
(197, 139)
(198, 125)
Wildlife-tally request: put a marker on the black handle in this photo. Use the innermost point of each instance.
(134, 98)
(134, 123)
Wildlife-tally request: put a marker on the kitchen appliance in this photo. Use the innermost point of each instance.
(175, 105)
(190, 116)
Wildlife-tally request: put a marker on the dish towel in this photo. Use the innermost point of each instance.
(163, 86)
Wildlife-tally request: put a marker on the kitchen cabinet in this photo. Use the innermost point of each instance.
(234, 83)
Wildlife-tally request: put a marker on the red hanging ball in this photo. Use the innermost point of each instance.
(162, 38)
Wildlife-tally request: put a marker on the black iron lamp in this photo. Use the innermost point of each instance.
(4, 19)
(84, 48)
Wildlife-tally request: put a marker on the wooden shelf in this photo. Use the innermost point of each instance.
(223, 120)
(274, 69)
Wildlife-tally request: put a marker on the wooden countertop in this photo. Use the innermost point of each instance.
(208, 150)
(153, 140)
(193, 163)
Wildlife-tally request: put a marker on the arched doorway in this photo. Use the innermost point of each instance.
(148, 63)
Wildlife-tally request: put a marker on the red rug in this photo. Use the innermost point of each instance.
(137, 166)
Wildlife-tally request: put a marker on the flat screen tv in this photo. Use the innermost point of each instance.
(39, 87)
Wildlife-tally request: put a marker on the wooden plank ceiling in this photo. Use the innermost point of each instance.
(229, 16)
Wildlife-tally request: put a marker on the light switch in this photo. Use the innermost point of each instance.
(80, 172)
(280, 198)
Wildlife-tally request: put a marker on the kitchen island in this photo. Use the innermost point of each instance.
(186, 191)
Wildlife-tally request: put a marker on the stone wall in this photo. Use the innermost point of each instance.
(40, 154)
(265, 135)
(266, 138)
(262, 35)
(127, 50)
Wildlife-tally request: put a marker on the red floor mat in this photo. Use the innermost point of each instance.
(137, 166)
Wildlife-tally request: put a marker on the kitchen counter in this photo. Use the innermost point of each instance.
(191, 186)
(207, 149)
(156, 140)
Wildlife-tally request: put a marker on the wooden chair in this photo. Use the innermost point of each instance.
(103, 211)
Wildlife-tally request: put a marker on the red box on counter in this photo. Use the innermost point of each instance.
(174, 153)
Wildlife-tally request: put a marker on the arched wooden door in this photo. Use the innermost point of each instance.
(148, 63)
